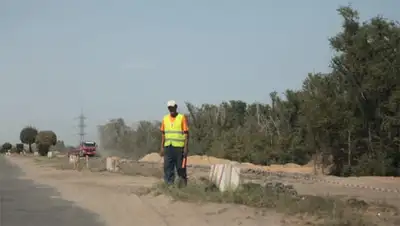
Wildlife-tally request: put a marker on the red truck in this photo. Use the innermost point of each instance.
(86, 148)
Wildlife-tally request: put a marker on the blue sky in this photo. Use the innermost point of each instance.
(126, 58)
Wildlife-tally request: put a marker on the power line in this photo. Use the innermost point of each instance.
(81, 125)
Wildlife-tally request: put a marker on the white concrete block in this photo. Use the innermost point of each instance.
(225, 176)
(235, 178)
(50, 154)
(109, 164)
(73, 159)
(35, 153)
(112, 164)
(87, 161)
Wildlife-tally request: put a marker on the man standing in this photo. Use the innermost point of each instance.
(174, 144)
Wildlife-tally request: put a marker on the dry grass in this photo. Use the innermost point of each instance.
(310, 210)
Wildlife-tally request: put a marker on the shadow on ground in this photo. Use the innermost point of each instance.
(23, 202)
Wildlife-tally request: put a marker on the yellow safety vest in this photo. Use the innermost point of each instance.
(174, 135)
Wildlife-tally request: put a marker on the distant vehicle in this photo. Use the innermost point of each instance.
(86, 148)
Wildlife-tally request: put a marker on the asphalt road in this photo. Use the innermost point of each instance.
(24, 203)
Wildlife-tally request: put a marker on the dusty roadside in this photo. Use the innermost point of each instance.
(115, 199)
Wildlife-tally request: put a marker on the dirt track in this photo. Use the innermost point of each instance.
(114, 198)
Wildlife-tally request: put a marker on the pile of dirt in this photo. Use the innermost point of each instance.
(152, 157)
(289, 169)
(206, 160)
(209, 160)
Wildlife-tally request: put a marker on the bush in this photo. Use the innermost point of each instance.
(6, 146)
(44, 140)
(47, 138)
(43, 149)
(19, 147)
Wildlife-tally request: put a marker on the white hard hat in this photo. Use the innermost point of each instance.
(171, 103)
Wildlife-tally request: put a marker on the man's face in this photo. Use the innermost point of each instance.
(172, 110)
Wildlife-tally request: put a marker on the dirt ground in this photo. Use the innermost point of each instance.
(116, 198)
(373, 189)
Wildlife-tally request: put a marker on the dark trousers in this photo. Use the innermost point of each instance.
(173, 159)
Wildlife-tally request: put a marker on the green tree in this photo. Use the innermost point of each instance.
(367, 61)
(348, 118)
(28, 136)
(44, 140)
(6, 146)
(19, 147)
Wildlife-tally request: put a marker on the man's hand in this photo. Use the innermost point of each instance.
(161, 152)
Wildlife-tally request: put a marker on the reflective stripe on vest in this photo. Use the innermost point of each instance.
(174, 135)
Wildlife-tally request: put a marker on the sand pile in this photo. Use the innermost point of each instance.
(192, 160)
(152, 157)
(282, 168)
(206, 160)
(209, 160)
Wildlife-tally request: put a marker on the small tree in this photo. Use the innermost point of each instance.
(6, 146)
(28, 136)
(44, 140)
(43, 149)
(19, 147)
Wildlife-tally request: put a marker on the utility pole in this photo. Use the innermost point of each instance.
(81, 125)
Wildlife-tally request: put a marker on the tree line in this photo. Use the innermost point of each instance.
(348, 118)
(42, 140)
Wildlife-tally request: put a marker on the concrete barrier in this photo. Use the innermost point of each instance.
(225, 176)
(50, 154)
(112, 164)
(87, 162)
(35, 153)
(73, 159)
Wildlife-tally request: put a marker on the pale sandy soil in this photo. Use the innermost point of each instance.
(114, 197)
(209, 160)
